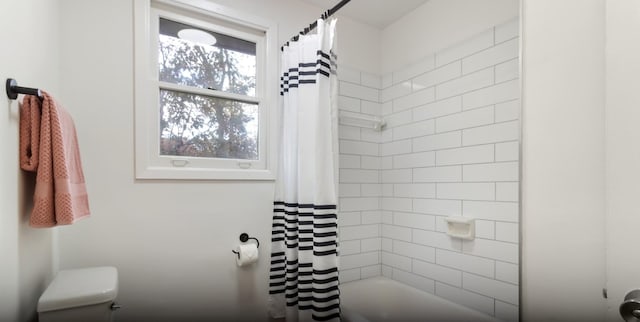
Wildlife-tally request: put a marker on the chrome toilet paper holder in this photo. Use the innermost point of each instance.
(244, 237)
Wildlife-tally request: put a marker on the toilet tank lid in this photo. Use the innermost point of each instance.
(80, 287)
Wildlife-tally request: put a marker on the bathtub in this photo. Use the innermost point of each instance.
(380, 299)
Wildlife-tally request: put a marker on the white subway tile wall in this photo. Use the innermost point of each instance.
(360, 190)
(450, 148)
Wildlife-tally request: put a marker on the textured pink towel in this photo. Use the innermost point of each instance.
(49, 146)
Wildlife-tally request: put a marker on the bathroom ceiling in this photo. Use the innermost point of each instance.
(377, 13)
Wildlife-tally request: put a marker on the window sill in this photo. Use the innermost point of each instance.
(167, 173)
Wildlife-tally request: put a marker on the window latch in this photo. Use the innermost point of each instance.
(179, 163)
(244, 165)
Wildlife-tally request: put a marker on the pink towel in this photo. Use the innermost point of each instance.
(49, 146)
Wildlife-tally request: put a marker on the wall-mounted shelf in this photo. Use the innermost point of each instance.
(461, 227)
(363, 121)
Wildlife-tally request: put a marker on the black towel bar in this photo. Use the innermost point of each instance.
(13, 90)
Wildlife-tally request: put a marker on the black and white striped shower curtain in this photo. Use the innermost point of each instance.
(303, 282)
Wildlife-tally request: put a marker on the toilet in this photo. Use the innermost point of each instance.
(85, 294)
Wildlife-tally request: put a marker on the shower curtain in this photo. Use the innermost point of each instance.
(303, 282)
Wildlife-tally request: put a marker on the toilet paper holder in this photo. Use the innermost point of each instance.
(630, 308)
(244, 237)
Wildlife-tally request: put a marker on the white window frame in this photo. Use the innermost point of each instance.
(149, 164)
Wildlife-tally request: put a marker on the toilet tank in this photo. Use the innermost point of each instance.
(85, 294)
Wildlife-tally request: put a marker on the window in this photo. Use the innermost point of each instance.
(203, 103)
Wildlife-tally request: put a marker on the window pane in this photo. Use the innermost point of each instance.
(200, 126)
(217, 61)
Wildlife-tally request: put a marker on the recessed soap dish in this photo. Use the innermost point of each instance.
(461, 227)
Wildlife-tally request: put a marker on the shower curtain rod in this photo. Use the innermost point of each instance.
(312, 26)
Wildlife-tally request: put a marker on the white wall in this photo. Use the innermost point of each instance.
(29, 33)
(358, 44)
(438, 24)
(563, 203)
(622, 155)
(170, 240)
